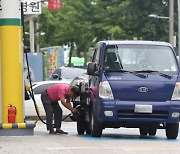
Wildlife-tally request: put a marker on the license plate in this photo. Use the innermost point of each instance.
(143, 108)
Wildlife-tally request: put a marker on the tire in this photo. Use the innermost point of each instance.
(88, 124)
(96, 128)
(88, 129)
(172, 130)
(81, 125)
(152, 131)
(143, 131)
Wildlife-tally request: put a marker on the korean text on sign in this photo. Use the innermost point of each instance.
(31, 6)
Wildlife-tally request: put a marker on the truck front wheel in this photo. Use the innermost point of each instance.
(88, 129)
(96, 128)
(81, 125)
(172, 130)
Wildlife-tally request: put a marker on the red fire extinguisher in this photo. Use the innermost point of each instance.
(11, 114)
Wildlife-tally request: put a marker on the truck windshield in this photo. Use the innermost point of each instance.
(140, 58)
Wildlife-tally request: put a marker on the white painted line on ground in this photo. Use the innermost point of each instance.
(71, 148)
(118, 148)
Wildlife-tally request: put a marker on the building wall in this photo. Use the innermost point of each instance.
(36, 64)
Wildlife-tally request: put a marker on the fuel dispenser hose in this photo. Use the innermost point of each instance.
(35, 105)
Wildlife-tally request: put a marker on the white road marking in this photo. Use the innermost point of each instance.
(117, 148)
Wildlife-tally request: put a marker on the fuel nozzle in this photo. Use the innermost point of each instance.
(78, 107)
(27, 88)
(75, 115)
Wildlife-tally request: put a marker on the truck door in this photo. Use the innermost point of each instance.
(94, 80)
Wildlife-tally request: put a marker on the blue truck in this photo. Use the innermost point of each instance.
(132, 84)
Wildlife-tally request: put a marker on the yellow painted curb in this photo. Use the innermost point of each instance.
(7, 126)
(21, 125)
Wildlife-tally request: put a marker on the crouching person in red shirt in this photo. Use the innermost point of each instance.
(50, 98)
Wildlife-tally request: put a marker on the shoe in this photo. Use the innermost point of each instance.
(61, 132)
(51, 132)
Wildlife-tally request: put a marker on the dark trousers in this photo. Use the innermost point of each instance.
(51, 108)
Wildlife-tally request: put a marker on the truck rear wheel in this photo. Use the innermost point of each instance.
(152, 131)
(172, 130)
(143, 131)
(96, 128)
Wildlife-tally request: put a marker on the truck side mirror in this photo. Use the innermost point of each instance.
(91, 68)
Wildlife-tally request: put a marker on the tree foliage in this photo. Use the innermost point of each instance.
(81, 23)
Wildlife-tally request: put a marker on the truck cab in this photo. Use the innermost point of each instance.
(132, 84)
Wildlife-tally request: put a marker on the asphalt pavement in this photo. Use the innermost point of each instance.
(113, 141)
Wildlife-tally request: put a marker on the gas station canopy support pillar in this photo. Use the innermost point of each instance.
(11, 67)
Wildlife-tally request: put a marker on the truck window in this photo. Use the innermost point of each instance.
(144, 57)
(96, 55)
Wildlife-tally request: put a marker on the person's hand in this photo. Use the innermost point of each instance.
(74, 110)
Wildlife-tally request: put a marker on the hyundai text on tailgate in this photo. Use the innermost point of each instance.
(132, 84)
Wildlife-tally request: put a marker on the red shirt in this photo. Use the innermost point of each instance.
(58, 91)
